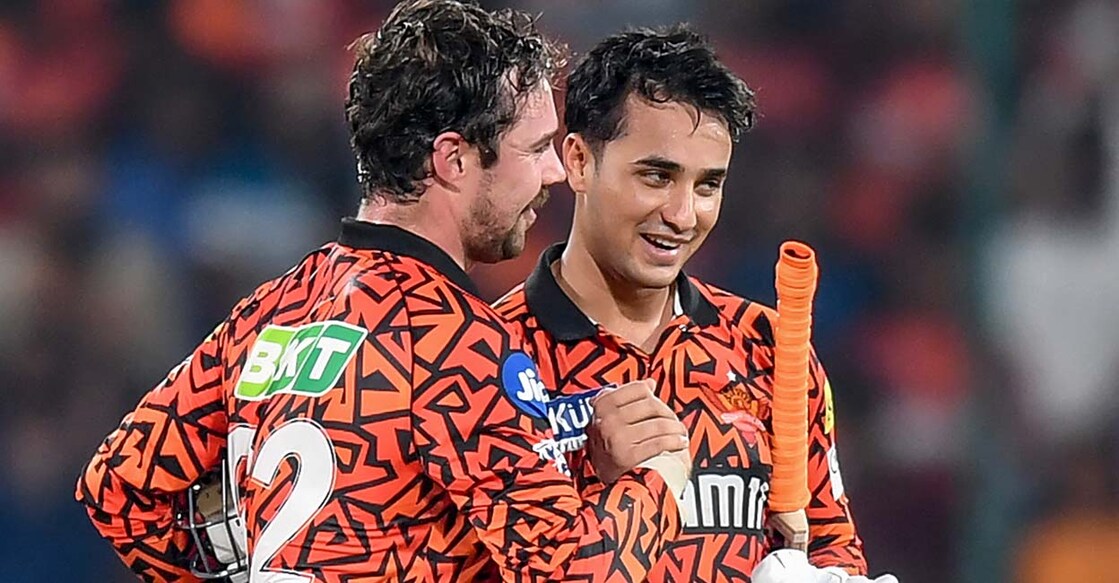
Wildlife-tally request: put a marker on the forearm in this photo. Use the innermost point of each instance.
(833, 538)
(626, 527)
(138, 525)
(175, 434)
(836, 545)
(529, 514)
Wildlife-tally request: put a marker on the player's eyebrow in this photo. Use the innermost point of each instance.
(659, 163)
(662, 163)
(538, 144)
(713, 174)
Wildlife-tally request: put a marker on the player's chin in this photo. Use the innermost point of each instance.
(501, 247)
(513, 244)
(526, 220)
(655, 276)
(657, 272)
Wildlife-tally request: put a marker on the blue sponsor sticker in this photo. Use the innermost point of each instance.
(523, 386)
(570, 415)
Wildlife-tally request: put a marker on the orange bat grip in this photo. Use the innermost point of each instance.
(796, 286)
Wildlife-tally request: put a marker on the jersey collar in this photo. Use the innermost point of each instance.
(564, 321)
(365, 235)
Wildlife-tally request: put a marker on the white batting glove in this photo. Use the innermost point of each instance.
(792, 566)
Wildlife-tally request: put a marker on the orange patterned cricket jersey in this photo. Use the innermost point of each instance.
(383, 424)
(718, 348)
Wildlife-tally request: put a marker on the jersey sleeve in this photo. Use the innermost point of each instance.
(582, 472)
(175, 434)
(833, 540)
(481, 431)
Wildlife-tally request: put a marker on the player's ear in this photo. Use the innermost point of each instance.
(451, 158)
(578, 161)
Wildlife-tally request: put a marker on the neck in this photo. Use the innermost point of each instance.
(635, 313)
(438, 227)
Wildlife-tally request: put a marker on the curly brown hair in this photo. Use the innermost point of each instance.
(437, 66)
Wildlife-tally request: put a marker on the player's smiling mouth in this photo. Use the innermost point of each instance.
(666, 243)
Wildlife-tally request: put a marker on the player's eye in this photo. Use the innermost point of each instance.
(709, 187)
(655, 178)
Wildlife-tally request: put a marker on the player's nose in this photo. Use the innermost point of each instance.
(553, 168)
(679, 209)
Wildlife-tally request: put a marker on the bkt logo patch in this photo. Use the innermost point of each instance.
(306, 360)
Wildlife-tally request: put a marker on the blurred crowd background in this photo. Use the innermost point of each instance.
(955, 164)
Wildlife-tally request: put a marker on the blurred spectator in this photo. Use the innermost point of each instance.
(1052, 264)
(1079, 531)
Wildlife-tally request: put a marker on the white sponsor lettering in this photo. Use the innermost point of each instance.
(549, 450)
(725, 501)
(261, 362)
(289, 364)
(834, 476)
(327, 347)
(532, 390)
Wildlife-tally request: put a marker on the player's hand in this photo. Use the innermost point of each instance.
(631, 426)
(842, 576)
(792, 566)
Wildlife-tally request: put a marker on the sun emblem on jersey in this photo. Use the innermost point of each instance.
(736, 395)
(746, 423)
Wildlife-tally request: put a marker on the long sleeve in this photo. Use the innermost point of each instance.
(482, 433)
(175, 434)
(833, 539)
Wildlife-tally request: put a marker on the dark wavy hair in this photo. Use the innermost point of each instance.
(666, 65)
(438, 66)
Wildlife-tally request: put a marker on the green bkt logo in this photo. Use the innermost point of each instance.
(306, 360)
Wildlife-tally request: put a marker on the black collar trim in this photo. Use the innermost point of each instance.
(365, 235)
(564, 321)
